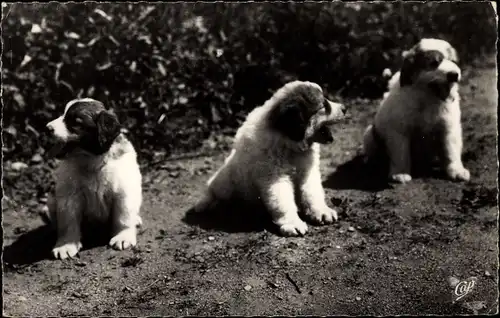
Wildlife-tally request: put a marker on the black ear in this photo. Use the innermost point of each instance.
(290, 119)
(407, 70)
(108, 128)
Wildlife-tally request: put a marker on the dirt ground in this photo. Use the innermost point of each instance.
(392, 252)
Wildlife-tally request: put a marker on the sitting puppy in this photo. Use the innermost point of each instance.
(97, 180)
(276, 157)
(420, 115)
(427, 44)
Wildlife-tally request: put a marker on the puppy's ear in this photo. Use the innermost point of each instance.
(108, 128)
(407, 70)
(290, 119)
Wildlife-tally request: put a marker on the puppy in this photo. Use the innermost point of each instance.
(98, 178)
(421, 114)
(275, 158)
(426, 44)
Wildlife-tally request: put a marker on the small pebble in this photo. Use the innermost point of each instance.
(200, 259)
(248, 287)
(37, 158)
(350, 229)
(22, 298)
(211, 238)
(371, 292)
(273, 285)
(358, 298)
(17, 166)
(487, 274)
(338, 246)
(174, 174)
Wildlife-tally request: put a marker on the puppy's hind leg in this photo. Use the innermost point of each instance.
(398, 148)
(66, 213)
(219, 188)
(278, 197)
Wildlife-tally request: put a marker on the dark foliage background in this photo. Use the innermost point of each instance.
(176, 74)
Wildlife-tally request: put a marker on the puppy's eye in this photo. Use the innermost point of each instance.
(434, 63)
(76, 123)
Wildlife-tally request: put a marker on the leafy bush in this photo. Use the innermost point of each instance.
(175, 73)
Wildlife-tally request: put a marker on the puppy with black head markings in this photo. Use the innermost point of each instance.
(98, 178)
(426, 44)
(275, 158)
(420, 115)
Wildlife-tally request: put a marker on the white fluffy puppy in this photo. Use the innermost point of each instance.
(276, 156)
(420, 114)
(98, 178)
(426, 44)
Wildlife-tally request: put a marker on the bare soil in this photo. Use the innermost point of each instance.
(392, 252)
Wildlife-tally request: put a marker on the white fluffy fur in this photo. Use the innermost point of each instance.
(103, 188)
(411, 108)
(264, 165)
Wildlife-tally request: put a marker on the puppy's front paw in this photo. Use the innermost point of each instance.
(401, 178)
(458, 173)
(324, 215)
(66, 250)
(123, 240)
(297, 227)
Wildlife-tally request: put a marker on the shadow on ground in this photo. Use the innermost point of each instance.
(356, 175)
(36, 245)
(233, 217)
(30, 247)
(372, 177)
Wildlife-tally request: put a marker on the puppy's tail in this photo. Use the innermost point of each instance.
(47, 214)
(370, 145)
(393, 83)
(44, 215)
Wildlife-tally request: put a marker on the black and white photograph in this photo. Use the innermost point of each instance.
(228, 158)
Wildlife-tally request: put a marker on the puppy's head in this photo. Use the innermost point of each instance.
(85, 124)
(431, 44)
(301, 113)
(430, 69)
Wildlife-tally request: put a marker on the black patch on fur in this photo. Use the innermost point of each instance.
(108, 128)
(419, 61)
(97, 127)
(81, 115)
(292, 115)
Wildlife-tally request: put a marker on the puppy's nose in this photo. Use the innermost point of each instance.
(343, 109)
(49, 129)
(452, 77)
